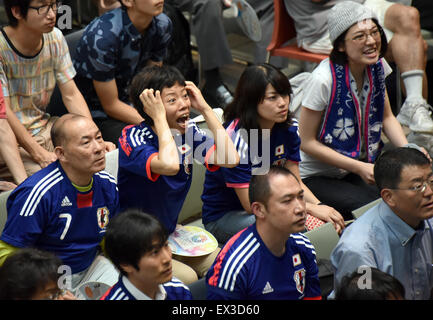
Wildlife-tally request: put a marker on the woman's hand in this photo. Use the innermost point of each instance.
(152, 104)
(196, 97)
(366, 171)
(327, 214)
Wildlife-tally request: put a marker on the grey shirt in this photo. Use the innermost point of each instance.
(311, 19)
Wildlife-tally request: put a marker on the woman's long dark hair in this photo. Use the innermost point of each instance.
(250, 91)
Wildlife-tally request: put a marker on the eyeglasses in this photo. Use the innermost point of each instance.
(43, 10)
(419, 188)
(362, 37)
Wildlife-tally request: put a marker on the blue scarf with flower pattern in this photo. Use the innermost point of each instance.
(341, 126)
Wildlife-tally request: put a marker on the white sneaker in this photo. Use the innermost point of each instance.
(243, 15)
(416, 114)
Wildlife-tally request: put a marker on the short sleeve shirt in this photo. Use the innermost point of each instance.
(139, 187)
(125, 290)
(317, 95)
(112, 48)
(29, 81)
(47, 212)
(245, 269)
(255, 156)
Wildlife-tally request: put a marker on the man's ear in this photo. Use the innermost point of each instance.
(60, 153)
(388, 196)
(127, 3)
(127, 268)
(16, 12)
(258, 209)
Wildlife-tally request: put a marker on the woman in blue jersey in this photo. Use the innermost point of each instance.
(264, 133)
(345, 108)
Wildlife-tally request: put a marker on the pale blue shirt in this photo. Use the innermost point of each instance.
(379, 238)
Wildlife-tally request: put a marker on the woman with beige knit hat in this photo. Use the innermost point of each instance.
(345, 108)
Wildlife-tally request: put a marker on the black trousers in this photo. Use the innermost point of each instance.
(344, 195)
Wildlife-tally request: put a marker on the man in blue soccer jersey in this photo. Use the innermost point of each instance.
(65, 207)
(269, 259)
(155, 157)
(137, 243)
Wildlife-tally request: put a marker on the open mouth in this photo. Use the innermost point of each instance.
(371, 52)
(182, 121)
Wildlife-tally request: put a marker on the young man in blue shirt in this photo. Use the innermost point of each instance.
(395, 236)
(270, 259)
(65, 207)
(115, 47)
(137, 243)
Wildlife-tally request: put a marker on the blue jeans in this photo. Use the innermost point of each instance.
(229, 224)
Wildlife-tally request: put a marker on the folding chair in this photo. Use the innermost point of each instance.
(3, 209)
(360, 211)
(284, 30)
(324, 240)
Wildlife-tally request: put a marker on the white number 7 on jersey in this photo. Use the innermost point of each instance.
(68, 218)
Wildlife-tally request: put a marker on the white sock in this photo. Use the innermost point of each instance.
(412, 80)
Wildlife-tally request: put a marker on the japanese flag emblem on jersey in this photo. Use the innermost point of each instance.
(279, 150)
(102, 214)
(299, 278)
(184, 148)
(296, 260)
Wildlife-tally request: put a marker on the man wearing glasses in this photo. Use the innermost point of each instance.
(34, 57)
(396, 235)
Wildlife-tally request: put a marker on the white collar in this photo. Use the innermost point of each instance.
(161, 294)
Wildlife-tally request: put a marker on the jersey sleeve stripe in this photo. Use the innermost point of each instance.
(174, 284)
(213, 280)
(250, 253)
(245, 251)
(115, 295)
(35, 189)
(37, 194)
(131, 137)
(42, 194)
(107, 177)
(232, 256)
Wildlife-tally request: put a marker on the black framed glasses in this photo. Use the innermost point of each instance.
(43, 10)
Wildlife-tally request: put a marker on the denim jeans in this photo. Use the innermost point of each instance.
(230, 224)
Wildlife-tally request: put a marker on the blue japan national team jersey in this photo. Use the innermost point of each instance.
(125, 290)
(161, 196)
(245, 269)
(47, 212)
(218, 195)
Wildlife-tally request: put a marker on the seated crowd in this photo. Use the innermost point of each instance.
(269, 176)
